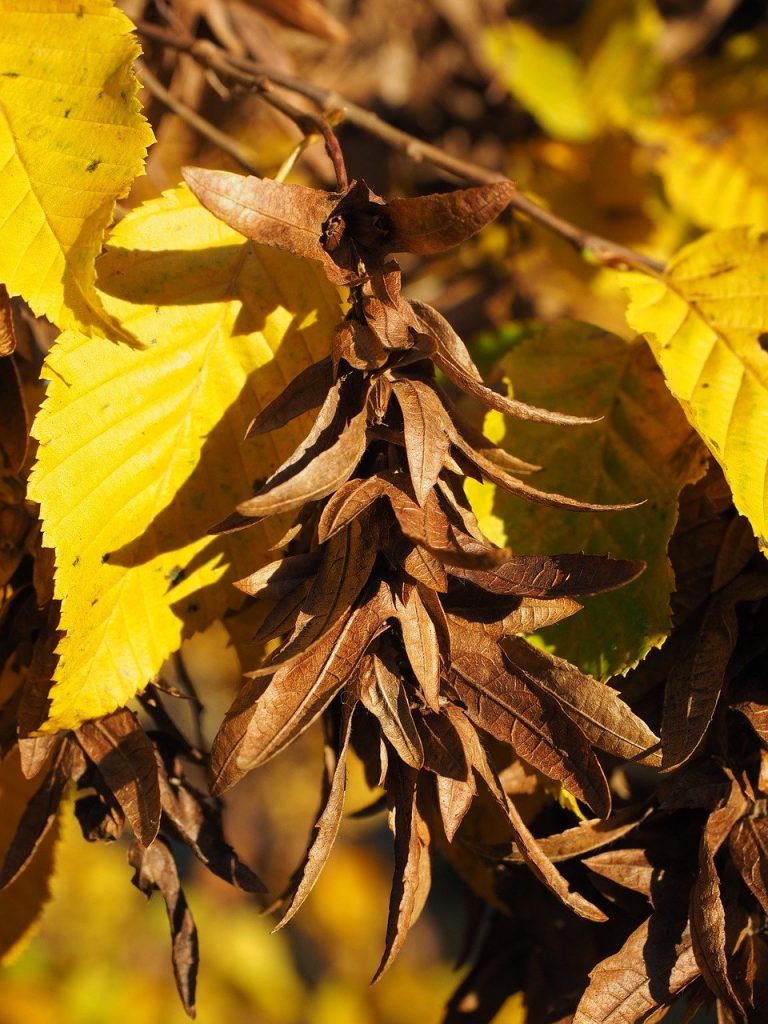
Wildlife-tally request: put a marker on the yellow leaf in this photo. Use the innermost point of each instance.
(22, 902)
(72, 139)
(642, 449)
(707, 323)
(545, 77)
(713, 168)
(141, 450)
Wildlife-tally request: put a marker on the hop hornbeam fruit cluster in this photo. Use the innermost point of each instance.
(396, 617)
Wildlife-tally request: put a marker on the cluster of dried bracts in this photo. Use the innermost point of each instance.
(395, 616)
(394, 619)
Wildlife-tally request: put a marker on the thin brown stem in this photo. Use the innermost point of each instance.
(194, 120)
(262, 79)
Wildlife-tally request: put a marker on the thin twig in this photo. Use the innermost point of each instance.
(194, 120)
(595, 248)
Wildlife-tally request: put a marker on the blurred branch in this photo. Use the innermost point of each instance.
(263, 80)
(194, 120)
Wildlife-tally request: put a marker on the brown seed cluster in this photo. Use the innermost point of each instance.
(396, 617)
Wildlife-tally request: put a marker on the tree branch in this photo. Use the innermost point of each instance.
(263, 79)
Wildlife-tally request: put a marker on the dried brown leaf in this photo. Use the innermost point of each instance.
(421, 642)
(314, 471)
(155, 869)
(635, 982)
(383, 694)
(426, 443)
(501, 703)
(348, 560)
(590, 835)
(452, 358)
(707, 913)
(430, 224)
(263, 720)
(7, 332)
(326, 827)
(631, 869)
(554, 575)
(34, 752)
(412, 875)
(425, 568)
(595, 707)
(280, 577)
(308, 390)
(125, 759)
(287, 217)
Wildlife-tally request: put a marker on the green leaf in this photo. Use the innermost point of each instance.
(641, 450)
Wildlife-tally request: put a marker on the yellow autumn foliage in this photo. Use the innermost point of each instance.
(707, 322)
(72, 139)
(141, 450)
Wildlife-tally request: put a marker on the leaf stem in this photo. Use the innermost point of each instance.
(262, 79)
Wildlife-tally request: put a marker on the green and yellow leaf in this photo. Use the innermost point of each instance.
(707, 323)
(641, 450)
(142, 452)
(72, 139)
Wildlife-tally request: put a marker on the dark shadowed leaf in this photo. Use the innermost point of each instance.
(125, 759)
(38, 816)
(444, 752)
(199, 826)
(155, 870)
(694, 685)
(707, 914)
(748, 845)
(630, 985)
(13, 414)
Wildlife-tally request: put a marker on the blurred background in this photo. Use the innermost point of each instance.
(642, 120)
